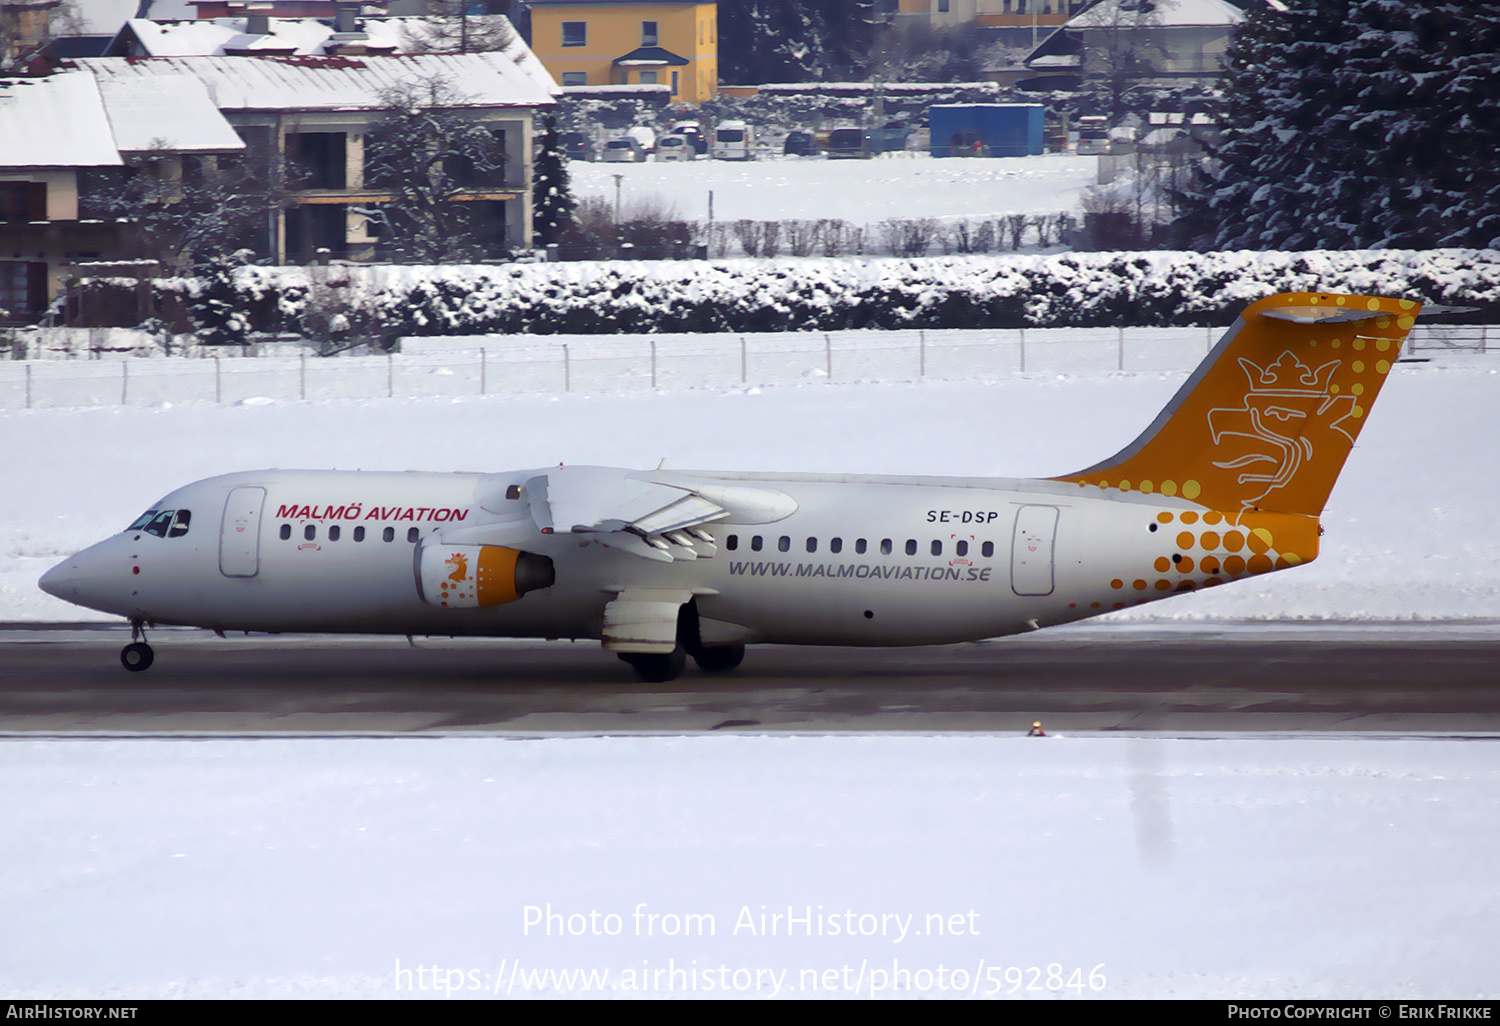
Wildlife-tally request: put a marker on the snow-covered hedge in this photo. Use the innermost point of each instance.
(1082, 290)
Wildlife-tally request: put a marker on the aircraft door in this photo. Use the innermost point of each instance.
(1031, 550)
(239, 534)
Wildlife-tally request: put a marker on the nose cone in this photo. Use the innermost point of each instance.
(96, 578)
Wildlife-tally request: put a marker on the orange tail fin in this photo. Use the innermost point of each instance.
(1267, 420)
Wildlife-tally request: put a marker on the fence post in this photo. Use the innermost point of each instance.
(218, 381)
(1023, 350)
(1122, 349)
(390, 375)
(921, 354)
(124, 381)
(828, 355)
(744, 363)
(567, 370)
(302, 376)
(483, 368)
(28, 384)
(653, 363)
(1484, 340)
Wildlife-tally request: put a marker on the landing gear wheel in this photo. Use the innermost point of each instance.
(652, 668)
(720, 659)
(137, 656)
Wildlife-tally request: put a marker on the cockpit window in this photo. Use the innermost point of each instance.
(180, 523)
(159, 524)
(142, 520)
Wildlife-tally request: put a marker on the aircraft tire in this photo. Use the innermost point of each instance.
(651, 668)
(720, 658)
(137, 656)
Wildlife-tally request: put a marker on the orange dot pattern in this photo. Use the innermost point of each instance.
(1214, 547)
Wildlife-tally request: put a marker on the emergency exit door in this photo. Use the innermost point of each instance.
(239, 534)
(1031, 550)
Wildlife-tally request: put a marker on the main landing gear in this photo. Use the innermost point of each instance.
(658, 669)
(137, 655)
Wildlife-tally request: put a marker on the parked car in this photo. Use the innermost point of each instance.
(577, 146)
(847, 143)
(645, 139)
(693, 132)
(673, 148)
(799, 144)
(622, 151)
(888, 138)
(732, 141)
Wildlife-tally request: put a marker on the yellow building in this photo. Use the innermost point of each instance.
(630, 42)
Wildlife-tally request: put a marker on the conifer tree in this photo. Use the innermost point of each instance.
(551, 195)
(1358, 123)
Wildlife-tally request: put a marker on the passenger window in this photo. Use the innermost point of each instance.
(783, 544)
(911, 546)
(835, 545)
(159, 523)
(732, 542)
(359, 534)
(859, 546)
(389, 534)
(310, 532)
(812, 545)
(180, 524)
(937, 548)
(413, 534)
(755, 543)
(333, 533)
(963, 548)
(286, 531)
(987, 549)
(885, 546)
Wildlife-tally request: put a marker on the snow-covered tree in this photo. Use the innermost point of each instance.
(1358, 123)
(428, 151)
(552, 197)
(184, 209)
(793, 40)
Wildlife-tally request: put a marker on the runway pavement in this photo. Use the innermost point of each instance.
(1424, 678)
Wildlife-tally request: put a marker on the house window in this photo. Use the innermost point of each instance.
(674, 83)
(575, 78)
(320, 157)
(23, 288)
(23, 201)
(648, 33)
(648, 78)
(575, 33)
(942, 6)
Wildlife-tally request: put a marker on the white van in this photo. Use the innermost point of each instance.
(732, 141)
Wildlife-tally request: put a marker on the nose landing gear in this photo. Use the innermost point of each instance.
(137, 655)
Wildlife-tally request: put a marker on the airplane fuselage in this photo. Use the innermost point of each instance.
(845, 561)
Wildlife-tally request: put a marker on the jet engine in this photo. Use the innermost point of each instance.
(478, 576)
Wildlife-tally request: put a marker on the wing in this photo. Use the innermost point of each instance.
(624, 510)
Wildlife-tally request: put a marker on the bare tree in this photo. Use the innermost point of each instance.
(428, 151)
(452, 26)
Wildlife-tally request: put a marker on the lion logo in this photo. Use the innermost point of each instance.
(1288, 412)
(460, 564)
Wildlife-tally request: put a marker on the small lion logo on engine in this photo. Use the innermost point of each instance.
(460, 564)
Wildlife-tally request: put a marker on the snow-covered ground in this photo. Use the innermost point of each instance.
(1069, 867)
(1057, 868)
(858, 191)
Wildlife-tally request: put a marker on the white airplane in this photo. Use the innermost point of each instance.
(1228, 482)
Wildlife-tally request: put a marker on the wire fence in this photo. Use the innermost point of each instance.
(508, 365)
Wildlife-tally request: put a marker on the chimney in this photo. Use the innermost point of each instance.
(344, 18)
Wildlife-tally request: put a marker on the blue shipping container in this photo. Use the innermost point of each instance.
(986, 129)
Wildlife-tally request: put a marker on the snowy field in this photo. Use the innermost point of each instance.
(1062, 868)
(1072, 867)
(905, 185)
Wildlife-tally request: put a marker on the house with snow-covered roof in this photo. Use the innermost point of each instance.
(66, 134)
(314, 111)
(1138, 41)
